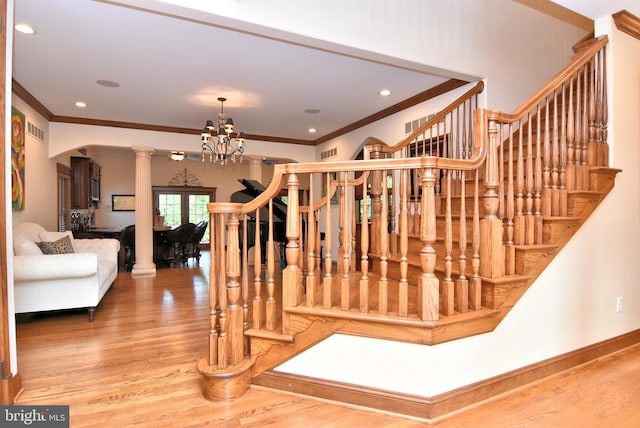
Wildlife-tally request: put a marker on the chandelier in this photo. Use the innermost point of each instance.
(219, 140)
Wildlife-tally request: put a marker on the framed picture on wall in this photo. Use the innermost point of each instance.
(123, 202)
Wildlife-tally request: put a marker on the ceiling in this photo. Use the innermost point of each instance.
(595, 9)
(171, 72)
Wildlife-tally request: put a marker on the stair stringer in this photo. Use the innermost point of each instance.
(269, 351)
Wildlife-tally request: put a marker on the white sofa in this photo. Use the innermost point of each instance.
(46, 282)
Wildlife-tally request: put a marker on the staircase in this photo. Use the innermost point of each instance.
(433, 239)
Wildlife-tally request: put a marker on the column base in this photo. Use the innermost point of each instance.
(227, 384)
(141, 270)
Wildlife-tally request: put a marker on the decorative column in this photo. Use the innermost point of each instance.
(144, 214)
(255, 167)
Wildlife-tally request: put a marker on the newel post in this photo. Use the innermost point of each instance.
(292, 290)
(225, 370)
(428, 283)
(492, 258)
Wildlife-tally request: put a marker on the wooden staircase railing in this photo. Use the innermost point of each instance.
(419, 238)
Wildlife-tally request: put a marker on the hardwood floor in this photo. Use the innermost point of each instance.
(135, 365)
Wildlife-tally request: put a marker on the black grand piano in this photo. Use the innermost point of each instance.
(252, 189)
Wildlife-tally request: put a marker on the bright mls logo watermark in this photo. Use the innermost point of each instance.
(34, 416)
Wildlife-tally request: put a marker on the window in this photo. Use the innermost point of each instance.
(179, 205)
(64, 198)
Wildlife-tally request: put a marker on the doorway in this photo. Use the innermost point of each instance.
(184, 204)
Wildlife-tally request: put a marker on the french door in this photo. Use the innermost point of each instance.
(183, 204)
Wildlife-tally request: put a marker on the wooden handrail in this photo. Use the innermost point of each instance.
(478, 88)
(281, 170)
(578, 61)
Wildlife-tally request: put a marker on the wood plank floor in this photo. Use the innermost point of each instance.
(135, 365)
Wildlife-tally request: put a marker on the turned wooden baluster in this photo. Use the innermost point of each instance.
(585, 127)
(395, 198)
(311, 245)
(511, 218)
(537, 199)
(342, 239)
(415, 211)
(428, 284)
(364, 258)
(383, 290)
(258, 304)
(346, 203)
(234, 307)
(571, 140)
(354, 244)
(546, 173)
(412, 212)
(270, 307)
(318, 252)
(403, 287)
(562, 174)
(604, 111)
(598, 101)
(593, 126)
(555, 160)
(475, 288)
(301, 255)
(222, 296)
(213, 291)
(529, 185)
(579, 184)
(518, 226)
(462, 284)
(245, 282)
(446, 287)
(376, 204)
(327, 280)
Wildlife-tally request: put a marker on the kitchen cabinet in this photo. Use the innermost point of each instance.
(85, 183)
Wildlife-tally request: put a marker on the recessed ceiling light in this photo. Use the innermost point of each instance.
(80, 104)
(312, 110)
(384, 92)
(24, 29)
(108, 83)
(312, 130)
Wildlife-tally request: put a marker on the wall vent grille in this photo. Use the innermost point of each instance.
(329, 153)
(34, 131)
(409, 127)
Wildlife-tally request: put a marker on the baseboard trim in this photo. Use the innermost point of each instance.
(442, 404)
(11, 388)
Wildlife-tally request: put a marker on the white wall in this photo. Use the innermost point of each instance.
(568, 307)
(66, 136)
(40, 173)
(500, 40)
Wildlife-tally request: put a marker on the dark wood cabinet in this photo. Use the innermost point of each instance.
(85, 183)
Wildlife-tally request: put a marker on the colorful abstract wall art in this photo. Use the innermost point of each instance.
(17, 159)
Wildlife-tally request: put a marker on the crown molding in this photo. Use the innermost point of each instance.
(628, 23)
(428, 94)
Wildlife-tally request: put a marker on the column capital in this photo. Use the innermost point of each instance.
(142, 149)
(255, 158)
